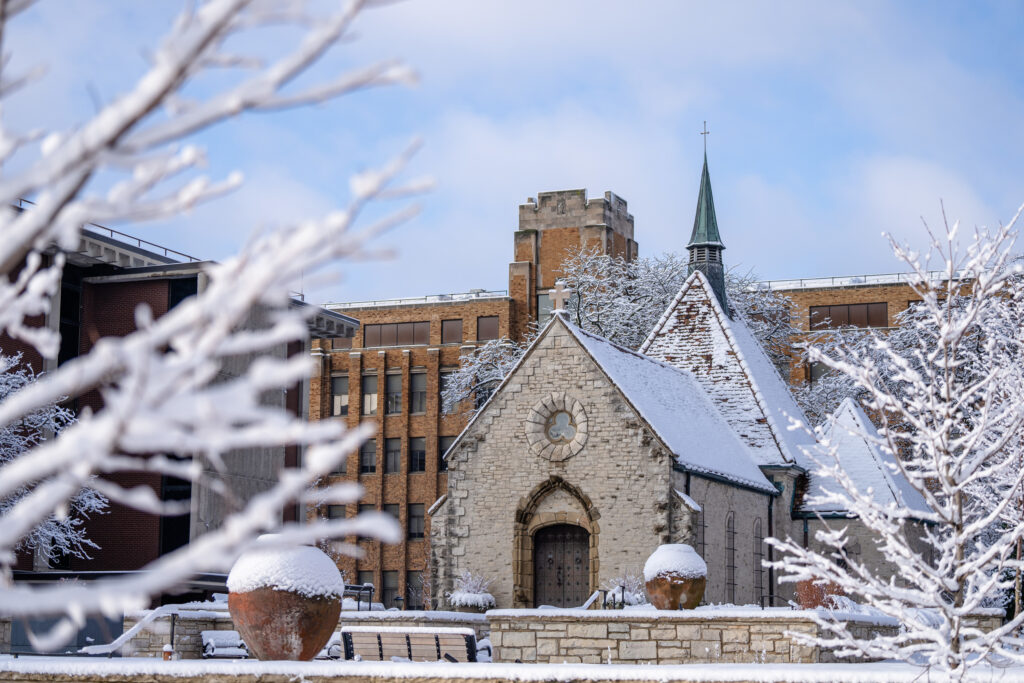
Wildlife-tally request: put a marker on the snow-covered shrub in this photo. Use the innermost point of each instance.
(627, 589)
(471, 590)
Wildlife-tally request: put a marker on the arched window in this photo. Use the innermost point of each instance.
(758, 558)
(730, 558)
(700, 533)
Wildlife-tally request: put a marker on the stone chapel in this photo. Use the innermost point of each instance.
(589, 455)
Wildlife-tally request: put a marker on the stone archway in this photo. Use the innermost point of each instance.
(554, 502)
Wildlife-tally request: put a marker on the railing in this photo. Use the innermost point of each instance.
(854, 280)
(130, 239)
(471, 295)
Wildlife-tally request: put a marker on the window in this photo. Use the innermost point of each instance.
(443, 380)
(342, 467)
(730, 558)
(758, 558)
(396, 334)
(368, 457)
(481, 395)
(701, 526)
(335, 512)
(392, 456)
(392, 394)
(414, 590)
(390, 590)
(416, 520)
(816, 371)
(544, 308)
(418, 391)
(417, 454)
(369, 394)
(443, 444)
(451, 331)
(487, 328)
(364, 578)
(393, 509)
(849, 315)
(341, 343)
(339, 396)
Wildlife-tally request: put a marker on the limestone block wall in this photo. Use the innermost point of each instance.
(649, 637)
(617, 486)
(717, 500)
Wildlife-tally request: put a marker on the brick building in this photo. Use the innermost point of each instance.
(392, 371)
(103, 281)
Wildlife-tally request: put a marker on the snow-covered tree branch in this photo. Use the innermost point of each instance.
(950, 403)
(163, 409)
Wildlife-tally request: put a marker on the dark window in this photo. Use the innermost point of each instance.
(418, 391)
(849, 315)
(416, 520)
(392, 455)
(181, 289)
(371, 335)
(70, 320)
(730, 558)
(451, 331)
(414, 590)
(701, 526)
(816, 371)
(367, 507)
(339, 396)
(443, 444)
(369, 394)
(396, 334)
(390, 589)
(417, 454)
(487, 328)
(364, 578)
(393, 394)
(758, 558)
(335, 512)
(368, 457)
(341, 343)
(392, 509)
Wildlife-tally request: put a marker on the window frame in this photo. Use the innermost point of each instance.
(730, 557)
(758, 558)
(417, 456)
(448, 334)
(417, 398)
(392, 458)
(366, 450)
(335, 396)
(416, 521)
(369, 407)
(392, 397)
(487, 319)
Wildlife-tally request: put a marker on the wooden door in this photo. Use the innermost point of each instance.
(561, 566)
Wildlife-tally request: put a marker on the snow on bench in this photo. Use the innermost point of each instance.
(412, 643)
(333, 648)
(223, 645)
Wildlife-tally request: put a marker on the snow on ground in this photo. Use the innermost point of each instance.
(890, 672)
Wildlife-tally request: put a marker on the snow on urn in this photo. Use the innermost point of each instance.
(675, 576)
(285, 601)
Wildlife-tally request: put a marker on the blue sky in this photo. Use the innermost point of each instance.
(830, 123)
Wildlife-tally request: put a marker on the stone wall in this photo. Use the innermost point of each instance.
(649, 637)
(616, 485)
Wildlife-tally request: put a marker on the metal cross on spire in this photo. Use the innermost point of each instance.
(559, 296)
(705, 133)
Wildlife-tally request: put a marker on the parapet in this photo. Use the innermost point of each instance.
(572, 209)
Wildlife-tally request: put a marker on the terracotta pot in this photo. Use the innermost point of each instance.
(278, 624)
(811, 594)
(671, 591)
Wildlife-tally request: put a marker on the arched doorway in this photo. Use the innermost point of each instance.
(561, 565)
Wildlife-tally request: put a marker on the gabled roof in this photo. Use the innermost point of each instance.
(855, 440)
(669, 400)
(695, 334)
(677, 410)
(705, 225)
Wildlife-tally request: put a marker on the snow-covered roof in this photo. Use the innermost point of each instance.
(854, 437)
(695, 334)
(677, 409)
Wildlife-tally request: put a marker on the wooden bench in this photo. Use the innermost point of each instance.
(385, 643)
(223, 645)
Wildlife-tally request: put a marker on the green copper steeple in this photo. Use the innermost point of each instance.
(705, 245)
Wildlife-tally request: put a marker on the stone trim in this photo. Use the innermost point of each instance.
(536, 427)
(528, 522)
